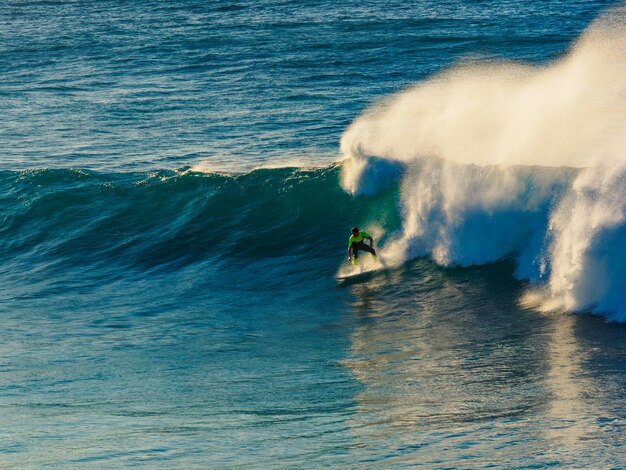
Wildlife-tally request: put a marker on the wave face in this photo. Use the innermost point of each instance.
(505, 160)
(167, 220)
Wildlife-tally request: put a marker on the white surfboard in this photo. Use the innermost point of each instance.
(356, 275)
(360, 273)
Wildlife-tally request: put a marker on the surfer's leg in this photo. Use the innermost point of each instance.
(354, 253)
(364, 247)
(367, 248)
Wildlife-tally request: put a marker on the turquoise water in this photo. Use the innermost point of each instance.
(174, 214)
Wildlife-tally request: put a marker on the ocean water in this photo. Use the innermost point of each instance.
(177, 184)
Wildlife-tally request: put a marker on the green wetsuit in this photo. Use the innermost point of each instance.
(360, 238)
(356, 243)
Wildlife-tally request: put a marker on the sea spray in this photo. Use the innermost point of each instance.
(505, 159)
(569, 113)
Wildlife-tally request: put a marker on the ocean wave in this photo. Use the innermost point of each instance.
(169, 219)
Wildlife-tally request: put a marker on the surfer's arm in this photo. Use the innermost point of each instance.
(371, 241)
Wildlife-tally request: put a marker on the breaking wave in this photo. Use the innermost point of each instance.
(499, 160)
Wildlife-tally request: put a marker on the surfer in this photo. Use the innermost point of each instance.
(356, 243)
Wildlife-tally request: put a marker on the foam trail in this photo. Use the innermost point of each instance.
(504, 159)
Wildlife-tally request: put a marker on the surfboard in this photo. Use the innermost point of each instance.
(361, 274)
(355, 276)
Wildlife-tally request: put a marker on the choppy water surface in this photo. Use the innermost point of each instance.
(114, 84)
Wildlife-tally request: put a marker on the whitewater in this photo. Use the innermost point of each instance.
(506, 159)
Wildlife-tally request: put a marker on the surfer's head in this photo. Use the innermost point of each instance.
(355, 231)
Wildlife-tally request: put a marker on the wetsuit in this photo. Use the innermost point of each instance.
(356, 243)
